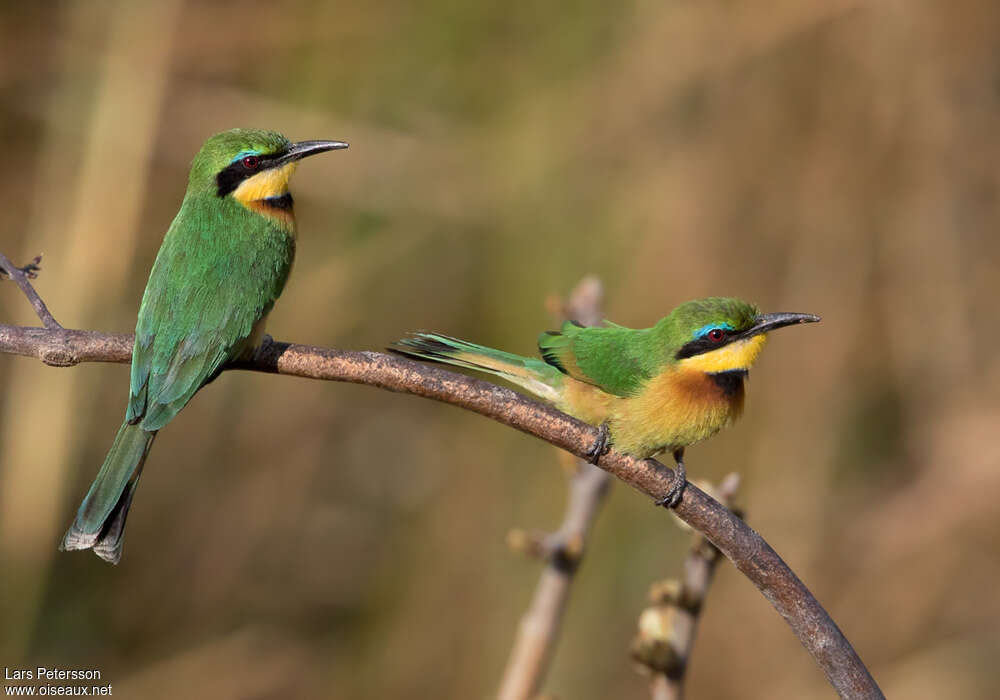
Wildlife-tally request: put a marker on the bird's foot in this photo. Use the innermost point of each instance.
(676, 491)
(265, 342)
(601, 445)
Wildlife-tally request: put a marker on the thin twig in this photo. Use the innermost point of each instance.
(745, 548)
(667, 629)
(21, 275)
(30, 270)
(538, 630)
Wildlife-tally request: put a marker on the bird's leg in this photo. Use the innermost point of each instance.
(673, 496)
(601, 444)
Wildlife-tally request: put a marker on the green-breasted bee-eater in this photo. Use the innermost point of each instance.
(650, 390)
(222, 265)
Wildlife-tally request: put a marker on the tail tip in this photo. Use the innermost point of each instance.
(423, 344)
(76, 539)
(108, 549)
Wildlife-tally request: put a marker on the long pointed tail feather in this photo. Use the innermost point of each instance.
(100, 521)
(529, 373)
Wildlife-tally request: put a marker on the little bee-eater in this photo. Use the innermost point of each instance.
(222, 265)
(650, 390)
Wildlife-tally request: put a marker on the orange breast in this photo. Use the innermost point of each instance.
(284, 216)
(678, 407)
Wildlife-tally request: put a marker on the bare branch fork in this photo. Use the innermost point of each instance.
(743, 546)
(538, 630)
(21, 275)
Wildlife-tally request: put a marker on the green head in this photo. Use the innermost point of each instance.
(252, 166)
(722, 334)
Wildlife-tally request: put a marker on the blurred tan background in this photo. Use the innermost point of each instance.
(304, 539)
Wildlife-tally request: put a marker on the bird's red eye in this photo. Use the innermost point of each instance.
(716, 335)
(251, 162)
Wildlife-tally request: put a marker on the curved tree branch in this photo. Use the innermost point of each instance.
(743, 546)
(61, 347)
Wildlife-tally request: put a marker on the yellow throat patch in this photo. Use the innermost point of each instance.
(269, 183)
(253, 192)
(739, 355)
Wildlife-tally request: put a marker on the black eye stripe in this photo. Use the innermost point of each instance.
(230, 177)
(705, 344)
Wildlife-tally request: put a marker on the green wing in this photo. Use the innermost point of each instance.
(219, 271)
(613, 358)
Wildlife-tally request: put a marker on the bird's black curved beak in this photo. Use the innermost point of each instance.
(304, 149)
(769, 322)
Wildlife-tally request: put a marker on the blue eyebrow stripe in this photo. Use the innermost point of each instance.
(700, 333)
(244, 154)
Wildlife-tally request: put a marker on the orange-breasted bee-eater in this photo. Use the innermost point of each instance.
(222, 265)
(650, 390)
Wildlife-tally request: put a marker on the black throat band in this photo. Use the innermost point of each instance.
(282, 202)
(730, 381)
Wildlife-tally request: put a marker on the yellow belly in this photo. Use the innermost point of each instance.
(676, 408)
(585, 401)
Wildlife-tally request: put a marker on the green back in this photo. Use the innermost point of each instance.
(219, 270)
(616, 359)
